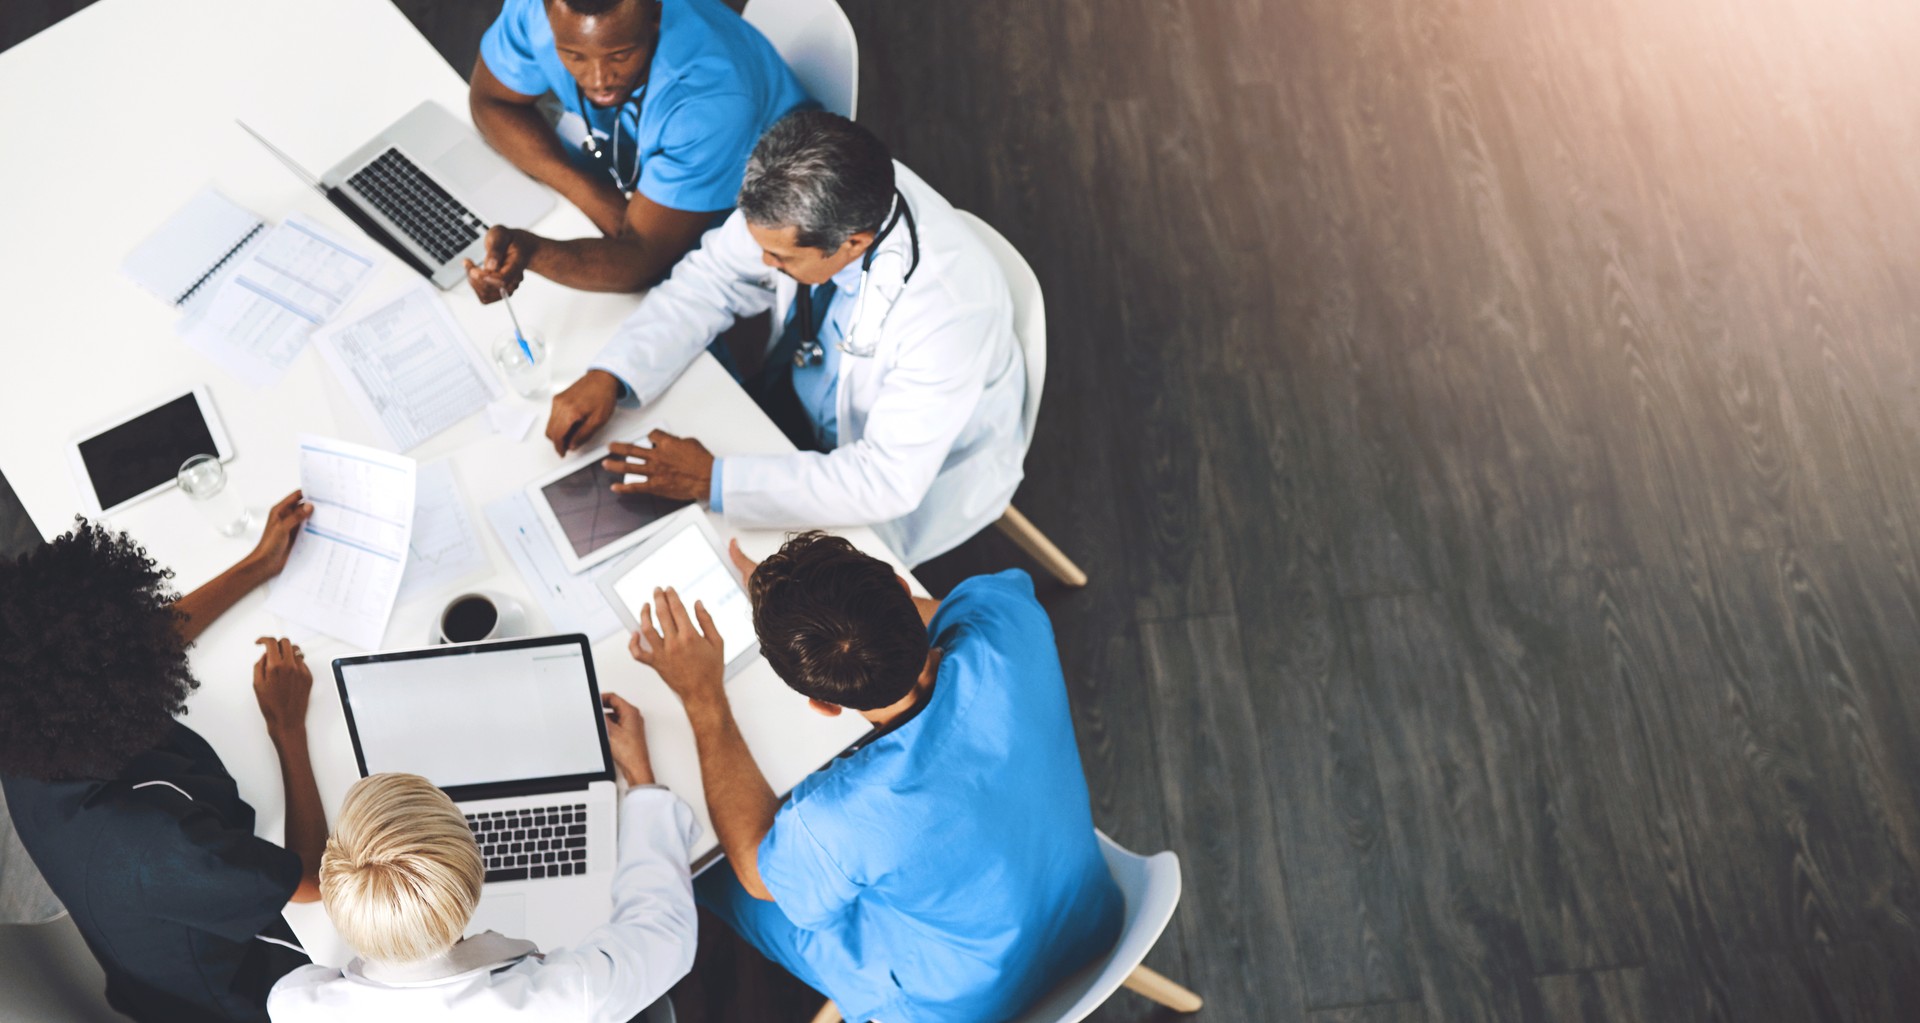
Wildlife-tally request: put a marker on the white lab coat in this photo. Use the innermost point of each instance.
(930, 436)
(618, 970)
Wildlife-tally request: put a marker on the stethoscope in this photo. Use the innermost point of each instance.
(863, 331)
(591, 144)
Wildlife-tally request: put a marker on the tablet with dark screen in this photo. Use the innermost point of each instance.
(143, 454)
(591, 516)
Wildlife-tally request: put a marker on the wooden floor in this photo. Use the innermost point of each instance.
(1493, 430)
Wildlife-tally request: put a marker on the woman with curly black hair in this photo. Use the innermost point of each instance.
(129, 814)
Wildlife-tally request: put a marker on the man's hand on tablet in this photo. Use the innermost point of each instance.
(688, 656)
(676, 468)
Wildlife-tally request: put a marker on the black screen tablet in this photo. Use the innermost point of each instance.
(592, 516)
(144, 453)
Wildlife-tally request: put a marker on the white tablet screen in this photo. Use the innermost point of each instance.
(689, 564)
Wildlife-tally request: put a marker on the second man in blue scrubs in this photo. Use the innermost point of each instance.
(658, 103)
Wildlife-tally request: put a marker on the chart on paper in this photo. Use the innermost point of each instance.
(344, 571)
(409, 369)
(444, 548)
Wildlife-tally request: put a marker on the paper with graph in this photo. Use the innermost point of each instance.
(444, 549)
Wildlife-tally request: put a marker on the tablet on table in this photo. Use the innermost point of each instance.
(686, 554)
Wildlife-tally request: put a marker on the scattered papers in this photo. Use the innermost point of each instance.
(444, 548)
(510, 419)
(266, 307)
(408, 368)
(573, 602)
(344, 572)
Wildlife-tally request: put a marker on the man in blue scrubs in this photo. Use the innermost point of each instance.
(945, 871)
(659, 103)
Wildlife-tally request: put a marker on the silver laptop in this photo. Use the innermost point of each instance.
(428, 188)
(512, 730)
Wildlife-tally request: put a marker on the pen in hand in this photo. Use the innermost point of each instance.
(518, 334)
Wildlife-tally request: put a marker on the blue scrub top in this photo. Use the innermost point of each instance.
(714, 86)
(948, 870)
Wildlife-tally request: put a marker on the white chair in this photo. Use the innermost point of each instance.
(1151, 886)
(1030, 327)
(816, 40)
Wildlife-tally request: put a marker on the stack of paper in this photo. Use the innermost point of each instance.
(251, 296)
(267, 305)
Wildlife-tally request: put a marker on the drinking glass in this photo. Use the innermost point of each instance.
(204, 479)
(529, 378)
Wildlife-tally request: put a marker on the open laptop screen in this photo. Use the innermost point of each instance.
(480, 720)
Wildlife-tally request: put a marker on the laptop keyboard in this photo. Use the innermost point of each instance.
(424, 211)
(521, 845)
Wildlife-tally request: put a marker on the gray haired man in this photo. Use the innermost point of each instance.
(895, 372)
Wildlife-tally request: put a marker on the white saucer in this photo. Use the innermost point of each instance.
(512, 623)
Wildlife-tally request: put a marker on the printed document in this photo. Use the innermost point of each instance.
(265, 308)
(345, 569)
(444, 549)
(409, 369)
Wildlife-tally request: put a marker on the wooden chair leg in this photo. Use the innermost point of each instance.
(829, 1013)
(1162, 990)
(1041, 549)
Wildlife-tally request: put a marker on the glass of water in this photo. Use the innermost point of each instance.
(529, 377)
(204, 479)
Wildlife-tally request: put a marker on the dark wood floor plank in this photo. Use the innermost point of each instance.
(1578, 870)
(1439, 759)
(1375, 1012)
(1680, 828)
(1331, 828)
(1602, 996)
(1233, 878)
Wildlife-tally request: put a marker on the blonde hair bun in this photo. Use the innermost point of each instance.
(401, 874)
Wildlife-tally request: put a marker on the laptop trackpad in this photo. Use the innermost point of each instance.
(505, 912)
(467, 166)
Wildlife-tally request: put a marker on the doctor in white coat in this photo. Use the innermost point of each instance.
(895, 371)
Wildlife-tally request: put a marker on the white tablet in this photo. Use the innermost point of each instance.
(138, 455)
(587, 522)
(686, 554)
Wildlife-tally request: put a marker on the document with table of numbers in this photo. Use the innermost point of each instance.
(344, 572)
(409, 368)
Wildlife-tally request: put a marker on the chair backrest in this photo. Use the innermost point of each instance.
(816, 40)
(1151, 885)
(1029, 314)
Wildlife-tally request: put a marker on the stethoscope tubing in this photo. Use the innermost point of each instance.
(592, 145)
(901, 213)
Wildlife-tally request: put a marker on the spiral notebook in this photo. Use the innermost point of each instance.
(180, 261)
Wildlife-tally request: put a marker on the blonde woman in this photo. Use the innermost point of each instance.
(400, 879)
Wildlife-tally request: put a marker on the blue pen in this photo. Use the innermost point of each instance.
(525, 348)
